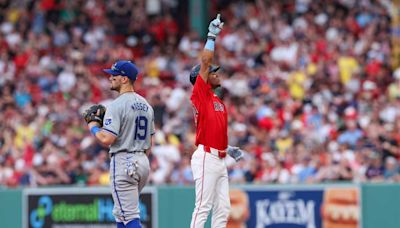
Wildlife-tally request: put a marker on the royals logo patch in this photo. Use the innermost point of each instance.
(107, 121)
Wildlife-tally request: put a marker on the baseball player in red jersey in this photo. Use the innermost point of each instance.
(208, 161)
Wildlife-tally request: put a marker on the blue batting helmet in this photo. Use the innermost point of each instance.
(196, 69)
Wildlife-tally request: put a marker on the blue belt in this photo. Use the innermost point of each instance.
(127, 151)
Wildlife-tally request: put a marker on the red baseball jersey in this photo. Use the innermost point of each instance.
(211, 117)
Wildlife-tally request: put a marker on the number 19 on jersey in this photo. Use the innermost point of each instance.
(141, 128)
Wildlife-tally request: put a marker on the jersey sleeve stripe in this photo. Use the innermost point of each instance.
(112, 132)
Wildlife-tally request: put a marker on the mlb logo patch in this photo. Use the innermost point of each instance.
(107, 121)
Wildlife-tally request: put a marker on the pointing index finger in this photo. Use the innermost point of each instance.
(218, 16)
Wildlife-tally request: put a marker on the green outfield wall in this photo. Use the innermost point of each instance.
(381, 205)
(364, 206)
(175, 206)
(10, 208)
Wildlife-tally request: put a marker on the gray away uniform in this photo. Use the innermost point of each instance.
(131, 119)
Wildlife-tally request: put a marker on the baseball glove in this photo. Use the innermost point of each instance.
(95, 113)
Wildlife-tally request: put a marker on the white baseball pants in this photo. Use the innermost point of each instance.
(212, 189)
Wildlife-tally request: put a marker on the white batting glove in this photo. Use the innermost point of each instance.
(235, 152)
(215, 27)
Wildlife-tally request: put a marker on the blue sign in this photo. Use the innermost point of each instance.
(80, 210)
(285, 208)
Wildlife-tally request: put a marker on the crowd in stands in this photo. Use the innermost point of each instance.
(311, 93)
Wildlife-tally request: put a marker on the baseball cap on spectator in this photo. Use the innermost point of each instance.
(123, 68)
(321, 19)
(297, 125)
(239, 127)
(396, 73)
(391, 160)
(369, 85)
(350, 113)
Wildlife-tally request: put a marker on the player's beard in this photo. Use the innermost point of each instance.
(216, 85)
(115, 86)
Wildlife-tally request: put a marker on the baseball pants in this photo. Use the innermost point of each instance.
(127, 187)
(212, 189)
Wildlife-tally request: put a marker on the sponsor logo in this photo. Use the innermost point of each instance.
(80, 210)
(37, 216)
(98, 210)
(285, 210)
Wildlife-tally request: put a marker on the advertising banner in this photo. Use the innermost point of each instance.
(319, 207)
(78, 208)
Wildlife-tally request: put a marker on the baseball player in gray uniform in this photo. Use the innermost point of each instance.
(126, 126)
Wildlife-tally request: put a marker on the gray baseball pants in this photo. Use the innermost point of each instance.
(128, 175)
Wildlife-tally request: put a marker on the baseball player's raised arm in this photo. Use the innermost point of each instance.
(208, 53)
(206, 60)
